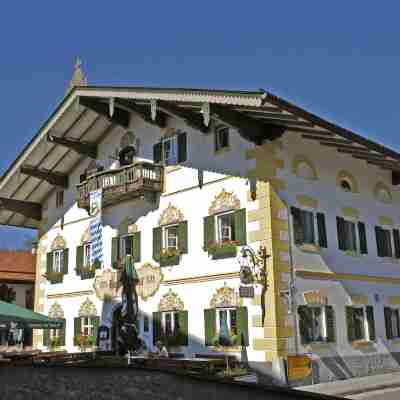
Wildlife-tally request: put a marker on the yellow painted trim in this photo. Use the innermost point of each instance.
(349, 177)
(297, 160)
(306, 201)
(330, 276)
(394, 300)
(172, 168)
(350, 212)
(199, 279)
(381, 186)
(383, 220)
(359, 300)
(70, 294)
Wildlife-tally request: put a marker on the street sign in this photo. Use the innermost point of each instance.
(246, 291)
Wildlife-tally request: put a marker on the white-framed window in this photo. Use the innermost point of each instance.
(171, 237)
(58, 261)
(226, 318)
(316, 323)
(86, 254)
(225, 227)
(221, 138)
(392, 322)
(126, 246)
(360, 323)
(87, 326)
(170, 323)
(59, 198)
(170, 150)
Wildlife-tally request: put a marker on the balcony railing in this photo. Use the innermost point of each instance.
(122, 184)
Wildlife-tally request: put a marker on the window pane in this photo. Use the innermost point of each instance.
(395, 322)
(233, 325)
(317, 324)
(176, 323)
(223, 319)
(226, 227)
(308, 223)
(172, 237)
(86, 260)
(358, 315)
(170, 151)
(168, 324)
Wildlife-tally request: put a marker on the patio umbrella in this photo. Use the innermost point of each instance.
(26, 318)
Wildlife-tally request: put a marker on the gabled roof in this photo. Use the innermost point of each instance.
(90, 122)
(17, 265)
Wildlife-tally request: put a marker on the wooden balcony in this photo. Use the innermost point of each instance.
(129, 182)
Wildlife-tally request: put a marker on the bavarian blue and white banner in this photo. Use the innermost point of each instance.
(96, 227)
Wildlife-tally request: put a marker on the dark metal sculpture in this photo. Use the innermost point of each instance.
(128, 326)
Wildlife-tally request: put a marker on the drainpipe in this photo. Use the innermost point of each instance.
(292, 299)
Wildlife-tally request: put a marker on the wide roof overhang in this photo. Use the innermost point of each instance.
(88, 114)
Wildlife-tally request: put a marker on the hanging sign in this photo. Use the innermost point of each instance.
(96, 227)
(149, 280)
(299, 367)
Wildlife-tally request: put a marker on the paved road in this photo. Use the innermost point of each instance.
(386, 394)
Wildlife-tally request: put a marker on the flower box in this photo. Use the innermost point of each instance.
(86, 272)
(169, 258)
(55, 277)
(223, 250)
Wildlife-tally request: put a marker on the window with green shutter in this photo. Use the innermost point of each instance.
(240, 226)
(136, 246)
(209, 326)
(157, 330)
(79, 259)
(182, 147)
(209, 231)
(396, 240)
(356, 319)
(62, 332)
(383, 242)
(371, 322)
(392, 322)
(115, 252)
(46, 337)
(183, 237)
(157, 153)
(303, 226)
(49, 264)
(157, 243)
(362, 238)
(65, 261)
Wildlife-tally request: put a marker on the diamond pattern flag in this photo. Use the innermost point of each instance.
(96, 227)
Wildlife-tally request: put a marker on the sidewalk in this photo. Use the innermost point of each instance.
(356, 385)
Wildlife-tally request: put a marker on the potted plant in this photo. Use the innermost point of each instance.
(54, 277)
(226, 249)
(55, 342)
(169, 257)
(86, 272)
(86, 342)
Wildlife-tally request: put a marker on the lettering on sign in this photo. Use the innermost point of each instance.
(299, 367)
(106, 284)
(150, 278)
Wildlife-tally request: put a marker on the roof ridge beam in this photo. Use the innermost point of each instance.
(119, 116)
(52, 177)
(192, 119)
(248, 127)
(143, 112)
(28, 209)
(85, 148)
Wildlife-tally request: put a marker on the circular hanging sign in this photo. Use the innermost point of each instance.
(106, 285)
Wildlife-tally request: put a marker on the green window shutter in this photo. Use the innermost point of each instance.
(388, 322)
(363, 238)
(183, 338)
(396, 239)
(49, 265)
(77, 329)
(240, 226)
(79, 259)
(157, 152)
(379, 241)
(183, 237)
(242, 326)
(298, 227)
(371, 322)
(157, 332)
(62, 332)
(330, 323)
(115, 252)
(322, 238)
(65, 261)
(157, 243)
(341, 232)
(350, 324)
(210, 319)
(46, 337)
(182, 147)
(136, 245)
(304, 323)
(96, 324)
(209, 231)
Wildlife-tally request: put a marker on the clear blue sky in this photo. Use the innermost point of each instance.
(338, 59)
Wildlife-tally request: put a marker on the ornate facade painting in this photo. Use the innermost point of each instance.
(382, 193)
(171, 215)
(171, 302)
(224, 201)
(106, 285)
(225, 297)
(56, 312)
(86, 237)
(59, 243)
(316, 297)
(87, 309)
(150, 278)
